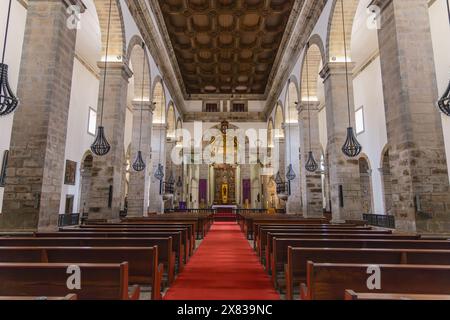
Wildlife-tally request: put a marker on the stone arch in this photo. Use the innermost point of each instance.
(279, 120)
(171, 120)
(315, 61)
(335, 40)
(159, 100)
(117, 38)
(87, 162)
(270, 128)
(136, 55)
(365, 179)
(292, 100)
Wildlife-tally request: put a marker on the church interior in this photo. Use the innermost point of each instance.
(225, 150)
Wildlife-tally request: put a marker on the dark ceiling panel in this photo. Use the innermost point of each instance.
(226, 46)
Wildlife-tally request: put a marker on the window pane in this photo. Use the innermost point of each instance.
(359, 119)
(92, 121)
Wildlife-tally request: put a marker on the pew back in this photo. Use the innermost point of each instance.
(98, 281)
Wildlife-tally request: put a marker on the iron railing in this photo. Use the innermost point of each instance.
(378, 220)
(65, 220)
(168, 188)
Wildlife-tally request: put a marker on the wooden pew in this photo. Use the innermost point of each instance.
(280, 258)
(144, 268)
(188, 242)
(352, 295)
(259, 227)
(95, 242)
(187, 230)
(203, 221)
(67, 297)
(328, 281)
(284, 219)
(177, 243)
(192, 224)
(280, 247)
(262, 241)
(295, 269)
(98, 281)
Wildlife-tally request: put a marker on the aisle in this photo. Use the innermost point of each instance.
(223, 268)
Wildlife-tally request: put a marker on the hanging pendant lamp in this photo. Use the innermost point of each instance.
(444, 102)
(159, 174)
(101, 147)
(139, 164)
(8, 100)
(311, 164)
(351, 147)
(290, 173)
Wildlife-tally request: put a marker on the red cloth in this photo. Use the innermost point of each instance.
(223, 268)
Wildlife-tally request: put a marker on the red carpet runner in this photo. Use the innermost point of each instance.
(223, 268)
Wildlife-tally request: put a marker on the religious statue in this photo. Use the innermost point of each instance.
(225, 193)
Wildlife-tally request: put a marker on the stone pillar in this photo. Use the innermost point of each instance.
(343, 171)
(170, 172)
(420, 186)
(294, 203)
(158, 156)
(36, 162)
(108, 171)
(311, 182)
(140, 181)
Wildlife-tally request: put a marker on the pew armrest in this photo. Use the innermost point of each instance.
(171, 268)
(304, 292)
(289, 289)
(156, 290)
(135, 293)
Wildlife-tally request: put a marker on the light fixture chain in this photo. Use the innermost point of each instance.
(142, 93)
(106, 62)
(346, 64)
(6, 31)
(308, 96)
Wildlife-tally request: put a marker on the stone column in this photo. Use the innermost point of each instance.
(311, 182)
(158, 156)
(36, 162)
(140, 181)
(420, 186)
(108, 171)
(294, 203)
(343, 171)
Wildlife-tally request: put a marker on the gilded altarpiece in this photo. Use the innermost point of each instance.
(225, 184)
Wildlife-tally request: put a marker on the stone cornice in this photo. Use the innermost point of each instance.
(331, 68)
(305, 21)
(127, 73)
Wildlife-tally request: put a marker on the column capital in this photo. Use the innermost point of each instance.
(116, 65)
(382, 4)
(331, 68)
(146, 105)
(78, 3)
(305, 105)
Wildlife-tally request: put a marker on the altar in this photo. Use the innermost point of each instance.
(224, 208)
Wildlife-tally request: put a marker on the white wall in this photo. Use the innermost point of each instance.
(440, 32)
(368, 93)
(12, 59)
(84, 95)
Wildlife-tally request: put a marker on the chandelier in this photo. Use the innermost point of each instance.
(139, 164)
(101, 147)
(351, 147)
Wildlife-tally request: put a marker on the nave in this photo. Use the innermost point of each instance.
(223, 268)
(187, 256)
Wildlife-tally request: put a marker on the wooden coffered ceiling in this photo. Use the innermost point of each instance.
(225, 46)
